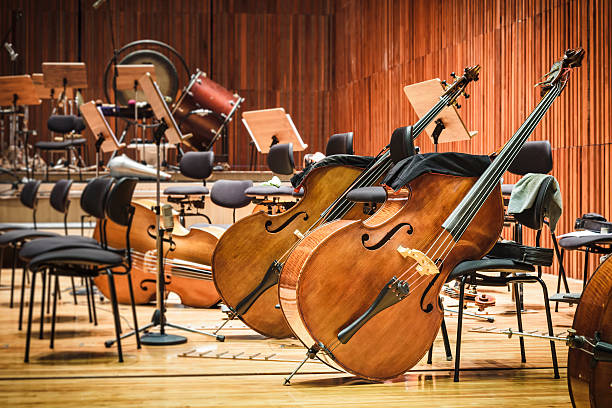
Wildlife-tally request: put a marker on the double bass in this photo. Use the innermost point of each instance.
(250, 255)
(187, 269)
(364, 295)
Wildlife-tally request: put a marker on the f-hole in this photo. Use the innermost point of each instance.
(268, 223)
(365, 237)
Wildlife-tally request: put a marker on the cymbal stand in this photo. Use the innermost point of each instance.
(159, 315)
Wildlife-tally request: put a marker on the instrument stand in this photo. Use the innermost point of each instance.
(436, 133)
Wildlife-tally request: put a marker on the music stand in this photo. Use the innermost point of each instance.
(268, 127)
(65, 75)
(18, 89)
(47, 93)
(105, 138)
(423, 96)
(168, 126)
(127, 78)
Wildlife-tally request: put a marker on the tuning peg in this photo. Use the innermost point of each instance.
(453, 74)
(467, 96)
(444, 83)
(458, 106)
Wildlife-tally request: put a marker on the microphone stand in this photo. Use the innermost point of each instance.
(159, 315)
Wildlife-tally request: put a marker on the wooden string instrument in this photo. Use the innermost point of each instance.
(250, 255)
(186, 263)
(364, 295)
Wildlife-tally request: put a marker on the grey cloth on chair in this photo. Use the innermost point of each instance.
(526, 191)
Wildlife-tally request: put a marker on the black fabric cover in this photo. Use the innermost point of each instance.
(186, 190)
(19, 235)
(59, 195)
(230, 193)
(280, 158)
(335, 160)
(372, 194)
(340, 143)
(93, 198)
(453, 164)
(29, 192)
(40, 246)
(197, 165)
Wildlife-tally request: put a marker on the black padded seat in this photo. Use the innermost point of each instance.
(573, 242)
(506, 189)
(186, 190)
(203, 225)
(8, 226)
(374, 194)
(60, 145)
(81, 256)
(40, 246)
(258, 191)
(23, 234)
(490, 265)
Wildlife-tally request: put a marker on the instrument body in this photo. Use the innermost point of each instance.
(590, 381)
(191, 247)
(202, 127)
(248, 248)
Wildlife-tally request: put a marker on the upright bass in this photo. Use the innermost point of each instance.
(364, 295)
(250, 255)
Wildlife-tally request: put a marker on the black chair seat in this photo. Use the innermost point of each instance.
(186, 190)
(574, 242)
(8, 226)
(258, 191)
(506, 189)
(490, 265)
(60, 145)
(21, 234)
(375, 194)
(203, 225)
(80, 256)
(39, 246)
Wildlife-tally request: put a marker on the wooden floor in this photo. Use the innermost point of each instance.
(81, 372)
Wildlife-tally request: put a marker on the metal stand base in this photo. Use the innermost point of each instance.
(159, 339)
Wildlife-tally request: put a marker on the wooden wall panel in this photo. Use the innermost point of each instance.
(515, 42)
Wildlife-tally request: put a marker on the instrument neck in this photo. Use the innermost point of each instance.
(460, 218)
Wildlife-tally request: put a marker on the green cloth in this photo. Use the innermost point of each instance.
(525, 193)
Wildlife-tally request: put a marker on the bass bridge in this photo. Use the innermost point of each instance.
(394, 291)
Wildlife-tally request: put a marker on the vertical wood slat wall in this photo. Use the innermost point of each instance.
(340, 65)
(378, 47)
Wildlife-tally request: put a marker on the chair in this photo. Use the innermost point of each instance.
(534, 157)
(340, 143)
(68, 126)
(90, 262)
(93, 201)
(195, 165)
(509, 271)
(231, 194)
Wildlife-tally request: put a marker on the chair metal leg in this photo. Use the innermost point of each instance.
(42, 303)
(22, 298)
(447, 348)
(111, 284)
(561, 272)
(93, 300)
(459, 328)
(430, 354)
(137, 334)
(519, 318)
(13, 274)
(55, 293)
(74, 295)
(26, 357)
(553, 350)
(48, 293)
(88, 295)
(585, 272)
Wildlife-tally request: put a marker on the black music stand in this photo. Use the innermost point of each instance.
(268, 127)
(65, 75)
(168, 127)
(423, 96)
(17, 90)
(105, 138)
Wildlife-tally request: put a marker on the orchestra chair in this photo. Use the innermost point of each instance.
(496, 271)
(16, 237)
(88, 262)
(230, 194)
(93, 202)
(195, 165)
(534, 157)
(340, 143)
(595, 243)
(70, 127)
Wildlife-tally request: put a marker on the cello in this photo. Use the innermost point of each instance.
(187, 268)
(250, 255)
(363, 296)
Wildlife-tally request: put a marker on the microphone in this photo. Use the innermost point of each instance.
(11, 51)
(167, 219)
(98, 3)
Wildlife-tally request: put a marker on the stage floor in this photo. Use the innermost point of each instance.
(248, 370)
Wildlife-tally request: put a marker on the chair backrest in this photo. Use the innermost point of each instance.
(197, 165)
(401, 144)
(118, 204)
(340, 143)
(230, 193)
(280, 158)
(534, 217)
(94, 196)
(29, 193)
(61, 123)
(79, 124)
(534, 157)
(59, 195)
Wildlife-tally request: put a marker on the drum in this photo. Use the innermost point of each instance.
(203, 127)
(210, 95)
